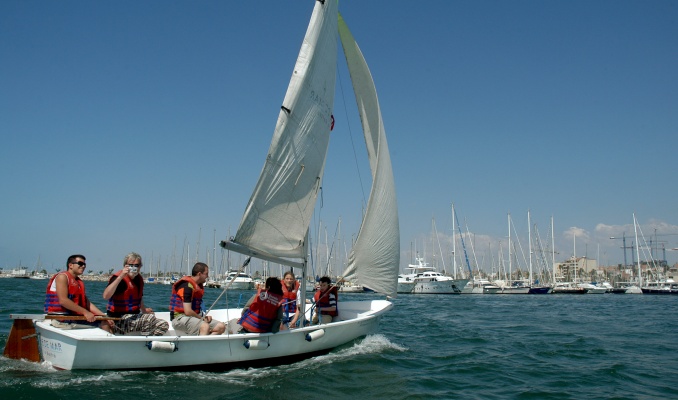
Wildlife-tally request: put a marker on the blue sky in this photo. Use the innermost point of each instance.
(132, 126)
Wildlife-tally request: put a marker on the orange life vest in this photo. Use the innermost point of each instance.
(76, 292)
(129, 301)
(262, 312)
(177, 299)
(323, 300)
(290, 297)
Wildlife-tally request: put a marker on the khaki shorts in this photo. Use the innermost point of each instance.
(191, 325)
(326, 319)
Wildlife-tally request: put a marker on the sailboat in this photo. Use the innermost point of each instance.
(274, 228)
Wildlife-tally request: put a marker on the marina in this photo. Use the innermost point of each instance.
(623, 344)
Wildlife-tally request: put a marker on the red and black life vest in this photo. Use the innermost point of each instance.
(323, 300)
(262, 312)
(76, 292)
(129, 301)
(177, 299)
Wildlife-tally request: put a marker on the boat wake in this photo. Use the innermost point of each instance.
(371, 344)
(43, 375)
(9, 366)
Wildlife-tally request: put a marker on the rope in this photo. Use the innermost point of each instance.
(228, 285)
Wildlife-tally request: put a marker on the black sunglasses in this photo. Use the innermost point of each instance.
(80, 263)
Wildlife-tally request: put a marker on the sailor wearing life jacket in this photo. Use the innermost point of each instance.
(263, 312)
(65, 295)
(125, 293)
(290, 289)
(186, 305)
(325, 299)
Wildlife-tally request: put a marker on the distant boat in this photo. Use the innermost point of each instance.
(567, 288)
(238, 281)
(39, 275)
(480, 286)
(213, 284)
(405, 283)
(665, 286)
(348, 287)
(515, 287)
(21, 273)
(593, 289)
(540, 290)
(428, 281)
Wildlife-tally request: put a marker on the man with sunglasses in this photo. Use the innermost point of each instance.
(66, 296)
(125, 292)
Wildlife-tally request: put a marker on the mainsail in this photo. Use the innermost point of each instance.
(277, 217)
(279, 212)
(375, 258)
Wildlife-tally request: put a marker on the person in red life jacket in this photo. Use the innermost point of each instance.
(66, 296)
(290, 288)
(325, 299)
(263, 312)
(186, 305)
(125, 292)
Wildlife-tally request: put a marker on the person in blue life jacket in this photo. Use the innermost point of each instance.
(125, 293)
(263, 311)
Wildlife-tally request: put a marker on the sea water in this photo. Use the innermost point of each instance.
(442, 346)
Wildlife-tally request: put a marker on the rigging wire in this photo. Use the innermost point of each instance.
(350, 134)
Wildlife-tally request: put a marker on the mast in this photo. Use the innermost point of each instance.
(214, 254)
(529, 244)
(509, 248)
(454, 247)
(574, 256)
(635, 229)
(553, 252)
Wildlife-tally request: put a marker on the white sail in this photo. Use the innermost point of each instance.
(375, 257)
(278, 214)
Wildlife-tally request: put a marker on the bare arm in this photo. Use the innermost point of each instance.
(188, 311)
(144, 309)
(94, 309)
(62, 295)
(248, 304)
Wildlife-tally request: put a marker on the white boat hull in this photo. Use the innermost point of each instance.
(405, 287)
(351, 289)
(513, 290)
(596, 290)
(96, 349)
(238, 285)
(451, 286)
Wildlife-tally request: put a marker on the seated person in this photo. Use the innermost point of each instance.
(66, 296)
(325, 299)
(186, 304)
(291, 295)
(125, 292)
(263, 312)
